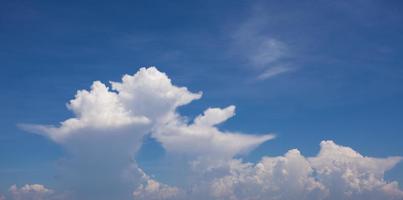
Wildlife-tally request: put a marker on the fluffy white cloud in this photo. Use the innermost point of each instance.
(151, 189)
(337, 172)
(147, 97)
(109, 124)
(151, 93)
(98, 108)
(154, 190)
(99, 141)
(349, 175)
(31, 192)
(103, 137)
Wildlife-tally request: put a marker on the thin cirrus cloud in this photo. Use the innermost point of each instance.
(274, 71)
(262, 52)
(110, 123)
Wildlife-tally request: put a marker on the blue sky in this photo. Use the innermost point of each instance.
(306, 71)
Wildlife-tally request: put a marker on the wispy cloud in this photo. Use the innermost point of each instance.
(274, 71)
(261, 51)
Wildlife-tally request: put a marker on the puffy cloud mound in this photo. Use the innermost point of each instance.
(97, 109)
(109, 124)
(150, 189)
(337, 172)
(349, 175)
(151, 93)
(31, 192)
(154, 190)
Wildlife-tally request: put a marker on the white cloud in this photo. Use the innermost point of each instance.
(150, 189)
(350, 175)
(263, 52)
(98, 108)
(151, 93)
(31, 192)
(107, 129)
(109, 124)
(337, 172)
(214, 116)
(274, 71)
(267, 51)
(202, 138)
(148, 97)
(154, 190)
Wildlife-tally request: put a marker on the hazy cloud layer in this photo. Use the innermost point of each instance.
(109, 124)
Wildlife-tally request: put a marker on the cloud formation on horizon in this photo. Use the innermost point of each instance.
(109, 124)
(32, 192)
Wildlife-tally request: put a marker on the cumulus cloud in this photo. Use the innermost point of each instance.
(151, 93)
(151, 189)
(109, 124)
(100, 142)
(103, 137)
(348, 174)
(154, 190)
(147, 102)
(31, 192)
(337, 172)
(98, 108)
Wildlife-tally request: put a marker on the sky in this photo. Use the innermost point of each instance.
(201, 100)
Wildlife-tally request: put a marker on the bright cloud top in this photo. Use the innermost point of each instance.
(110, 123)
(337, 172)
(151, 93)
(149, 98)
(98, 108)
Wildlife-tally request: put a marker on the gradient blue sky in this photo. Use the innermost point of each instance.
(335, 70)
